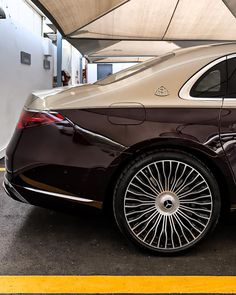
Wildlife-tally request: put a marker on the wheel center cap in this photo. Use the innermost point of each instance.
(167, 203)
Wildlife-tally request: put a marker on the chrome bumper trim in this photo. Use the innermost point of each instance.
(69, 197)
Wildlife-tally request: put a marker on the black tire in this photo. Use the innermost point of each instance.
(168, 216)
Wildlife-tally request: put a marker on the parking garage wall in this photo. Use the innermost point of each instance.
(71, 62)
(116, 67)
(20, 31)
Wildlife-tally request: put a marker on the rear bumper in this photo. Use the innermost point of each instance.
(43, 198)
(11, 191)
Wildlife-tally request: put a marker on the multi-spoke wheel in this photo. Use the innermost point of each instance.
(166, 201)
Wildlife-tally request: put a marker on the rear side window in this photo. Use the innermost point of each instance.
(213, 83)
(231, 78)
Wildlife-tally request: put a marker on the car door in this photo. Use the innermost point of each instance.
(228, 115)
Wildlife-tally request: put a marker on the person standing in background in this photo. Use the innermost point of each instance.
(65, 78)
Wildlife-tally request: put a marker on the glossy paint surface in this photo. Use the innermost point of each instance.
(228, 134)
(81, 155)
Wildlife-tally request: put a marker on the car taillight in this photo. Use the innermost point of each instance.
(31, 119)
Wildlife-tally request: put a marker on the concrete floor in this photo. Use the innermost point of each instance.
(85, 242)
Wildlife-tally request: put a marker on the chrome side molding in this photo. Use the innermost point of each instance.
(63, 196)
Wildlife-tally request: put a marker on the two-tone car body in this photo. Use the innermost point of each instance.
(158, 141)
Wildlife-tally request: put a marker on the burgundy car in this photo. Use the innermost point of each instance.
(156, 143)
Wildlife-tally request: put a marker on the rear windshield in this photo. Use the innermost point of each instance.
(134, 70)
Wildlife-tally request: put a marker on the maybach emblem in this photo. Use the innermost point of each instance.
(162, 91)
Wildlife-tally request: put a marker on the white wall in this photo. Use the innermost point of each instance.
(71, 62)
(91, 73)
(116, 67)
(121, 66)
(21, 31)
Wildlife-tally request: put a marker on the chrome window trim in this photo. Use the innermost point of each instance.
(184, 92)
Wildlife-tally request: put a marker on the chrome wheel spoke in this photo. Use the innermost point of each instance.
(187, 220)
(158, 183)
(192, 212)
(184, 228)
(174, 179)
(151, 184)
(168, 178)
(140, 201)
(185, 185)
(179, 178)
(145, 220)
(195, 209)
(141, 211)
(168, 204)
(149, 210)
(159, 178)
(144, 192)
(191, 192)
(164, 174)
(155, 227)
(191, 218)
(140, 205)
(147, 224)
(146, 185)
(175, 231)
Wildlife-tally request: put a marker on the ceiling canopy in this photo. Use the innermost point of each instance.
(129, 51)
(107, 22)
(142, 20)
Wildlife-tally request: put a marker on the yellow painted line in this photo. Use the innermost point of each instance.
(2, 169)
(117, 284)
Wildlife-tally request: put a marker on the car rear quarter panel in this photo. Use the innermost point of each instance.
(81, 157)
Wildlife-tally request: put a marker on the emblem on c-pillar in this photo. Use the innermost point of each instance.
(162, 91)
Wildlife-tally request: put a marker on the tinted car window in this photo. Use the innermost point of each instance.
(231, 77)
(213, 83)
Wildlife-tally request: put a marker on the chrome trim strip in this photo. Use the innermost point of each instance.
(222, 135)
(84, 200)
(184, 92)
(15, 192)
(231, 56)
(212, 139)
(233, 207)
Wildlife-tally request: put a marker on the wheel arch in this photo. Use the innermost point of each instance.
(216, 163)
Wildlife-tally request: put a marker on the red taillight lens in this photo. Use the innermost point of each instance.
(31, 119)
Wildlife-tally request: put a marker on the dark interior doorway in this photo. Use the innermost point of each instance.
(103, 70)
